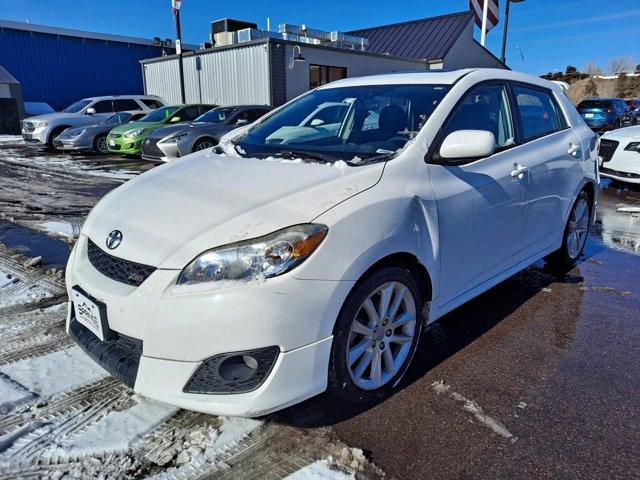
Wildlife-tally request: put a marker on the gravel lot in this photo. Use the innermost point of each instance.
(537, 378)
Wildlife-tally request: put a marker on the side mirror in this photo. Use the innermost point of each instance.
(90, 111)
(468, 144)
(316, 122)
(174, 119)
(242, 121)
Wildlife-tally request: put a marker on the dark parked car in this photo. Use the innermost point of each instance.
(175, 141)
(634, 105)
(605, 113)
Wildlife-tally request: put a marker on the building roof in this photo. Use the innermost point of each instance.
(425, 39)
(30, 27)
(7, 78)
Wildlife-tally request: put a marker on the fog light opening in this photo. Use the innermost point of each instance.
(238, 368)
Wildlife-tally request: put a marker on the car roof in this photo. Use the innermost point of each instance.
(116, 97)
(442, 77)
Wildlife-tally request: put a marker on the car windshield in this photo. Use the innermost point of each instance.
(76, 107)
(159, 114)
(117, 118)
(594, 104)
(329, 124)
(217, 115)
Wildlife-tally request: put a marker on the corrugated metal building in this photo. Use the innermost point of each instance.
(264, 71)
(59, 66)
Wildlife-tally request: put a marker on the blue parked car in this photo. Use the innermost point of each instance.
(605, 113)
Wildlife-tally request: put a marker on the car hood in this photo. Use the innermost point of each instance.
(60, 117)
(627, 133)
(176, 211)
(191, 127)
(93, 128)
(124, 128)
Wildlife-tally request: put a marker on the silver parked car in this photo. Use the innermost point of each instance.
(175, 141)
(40, 131)
(93, 138)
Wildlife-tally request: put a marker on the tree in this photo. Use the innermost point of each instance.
(571, 70)
(637, 68)
(619, 65)
(591, 68)
(624, 86)
(591, 89)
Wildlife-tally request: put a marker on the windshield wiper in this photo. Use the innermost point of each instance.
(316, 157)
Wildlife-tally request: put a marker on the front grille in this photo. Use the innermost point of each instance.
(118, 269)
(28, 127)
(119, 356)
(607, 149)
(150, 148)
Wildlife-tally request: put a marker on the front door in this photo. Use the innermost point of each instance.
(481, 208)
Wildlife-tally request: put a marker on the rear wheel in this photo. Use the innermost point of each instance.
(100, 145)
(575, 234)
(203, 144)
(376, 335)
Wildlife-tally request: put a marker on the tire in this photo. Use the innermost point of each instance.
(100, 145)
(203, 144)
(573, 241)
(344, 378)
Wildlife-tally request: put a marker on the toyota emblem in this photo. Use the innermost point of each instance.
(114, 239)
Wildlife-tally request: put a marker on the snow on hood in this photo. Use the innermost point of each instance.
(176, 211)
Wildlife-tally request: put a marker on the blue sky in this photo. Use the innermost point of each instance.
(551, 34)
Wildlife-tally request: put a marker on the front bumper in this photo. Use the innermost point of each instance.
(178, 330)
(123, 145)
(76, 144)
(36, 139)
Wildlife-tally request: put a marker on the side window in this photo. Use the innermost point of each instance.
(204, 108)
(188, 114)
(538, 112)
(151, 103)
(125, 104)
(486, 108)
(103, 106)
(255, 114)
(122, 117)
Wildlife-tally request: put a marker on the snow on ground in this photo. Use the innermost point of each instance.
(65, 229)
(7, 279)
(31, 294)
(69, 164)
(321, 470)
(11, 394)
(117, 431)
(54, 373)
(14, 139)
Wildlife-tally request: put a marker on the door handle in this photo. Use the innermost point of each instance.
(519, 170)
(574, 150)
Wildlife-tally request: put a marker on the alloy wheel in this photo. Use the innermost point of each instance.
(578, 228)
(101, 145)
(204, 145)
(381, 335)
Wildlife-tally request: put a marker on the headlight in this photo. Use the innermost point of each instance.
(40, 124)
(633, 147)
(77, 133)
(263, 257)
(175, 138)
(135, 133)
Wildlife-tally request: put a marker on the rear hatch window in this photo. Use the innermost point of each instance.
(594, 105)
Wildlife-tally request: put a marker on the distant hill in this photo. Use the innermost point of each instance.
(606, 88)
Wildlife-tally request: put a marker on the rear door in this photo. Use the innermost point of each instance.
(554, 156)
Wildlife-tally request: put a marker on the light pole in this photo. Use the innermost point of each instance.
(503, 57)
(176, 14)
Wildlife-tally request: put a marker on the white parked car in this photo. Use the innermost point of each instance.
(619, 152)
(239, 286)
(40, 131)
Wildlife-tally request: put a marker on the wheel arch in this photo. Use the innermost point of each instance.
(204, 136)
(55, 131)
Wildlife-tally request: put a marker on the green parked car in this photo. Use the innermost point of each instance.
(127, 139)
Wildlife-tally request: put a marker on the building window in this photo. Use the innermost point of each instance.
(322, 74)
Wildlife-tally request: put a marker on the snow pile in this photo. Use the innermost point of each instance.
(31, 294)
(14, 139)
(68, 164)
(12, 394)
(65, 229)
(204, 446)
(117, 431)
(54, 373)
(321, 470)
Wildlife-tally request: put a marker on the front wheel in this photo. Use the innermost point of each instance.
(575, 234)
(100, 145)
(203, 144)
(375, 336)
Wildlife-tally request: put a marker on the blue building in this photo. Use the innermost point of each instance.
(59, 66)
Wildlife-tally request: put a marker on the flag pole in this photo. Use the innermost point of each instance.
(176, 13)
(485, 13)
